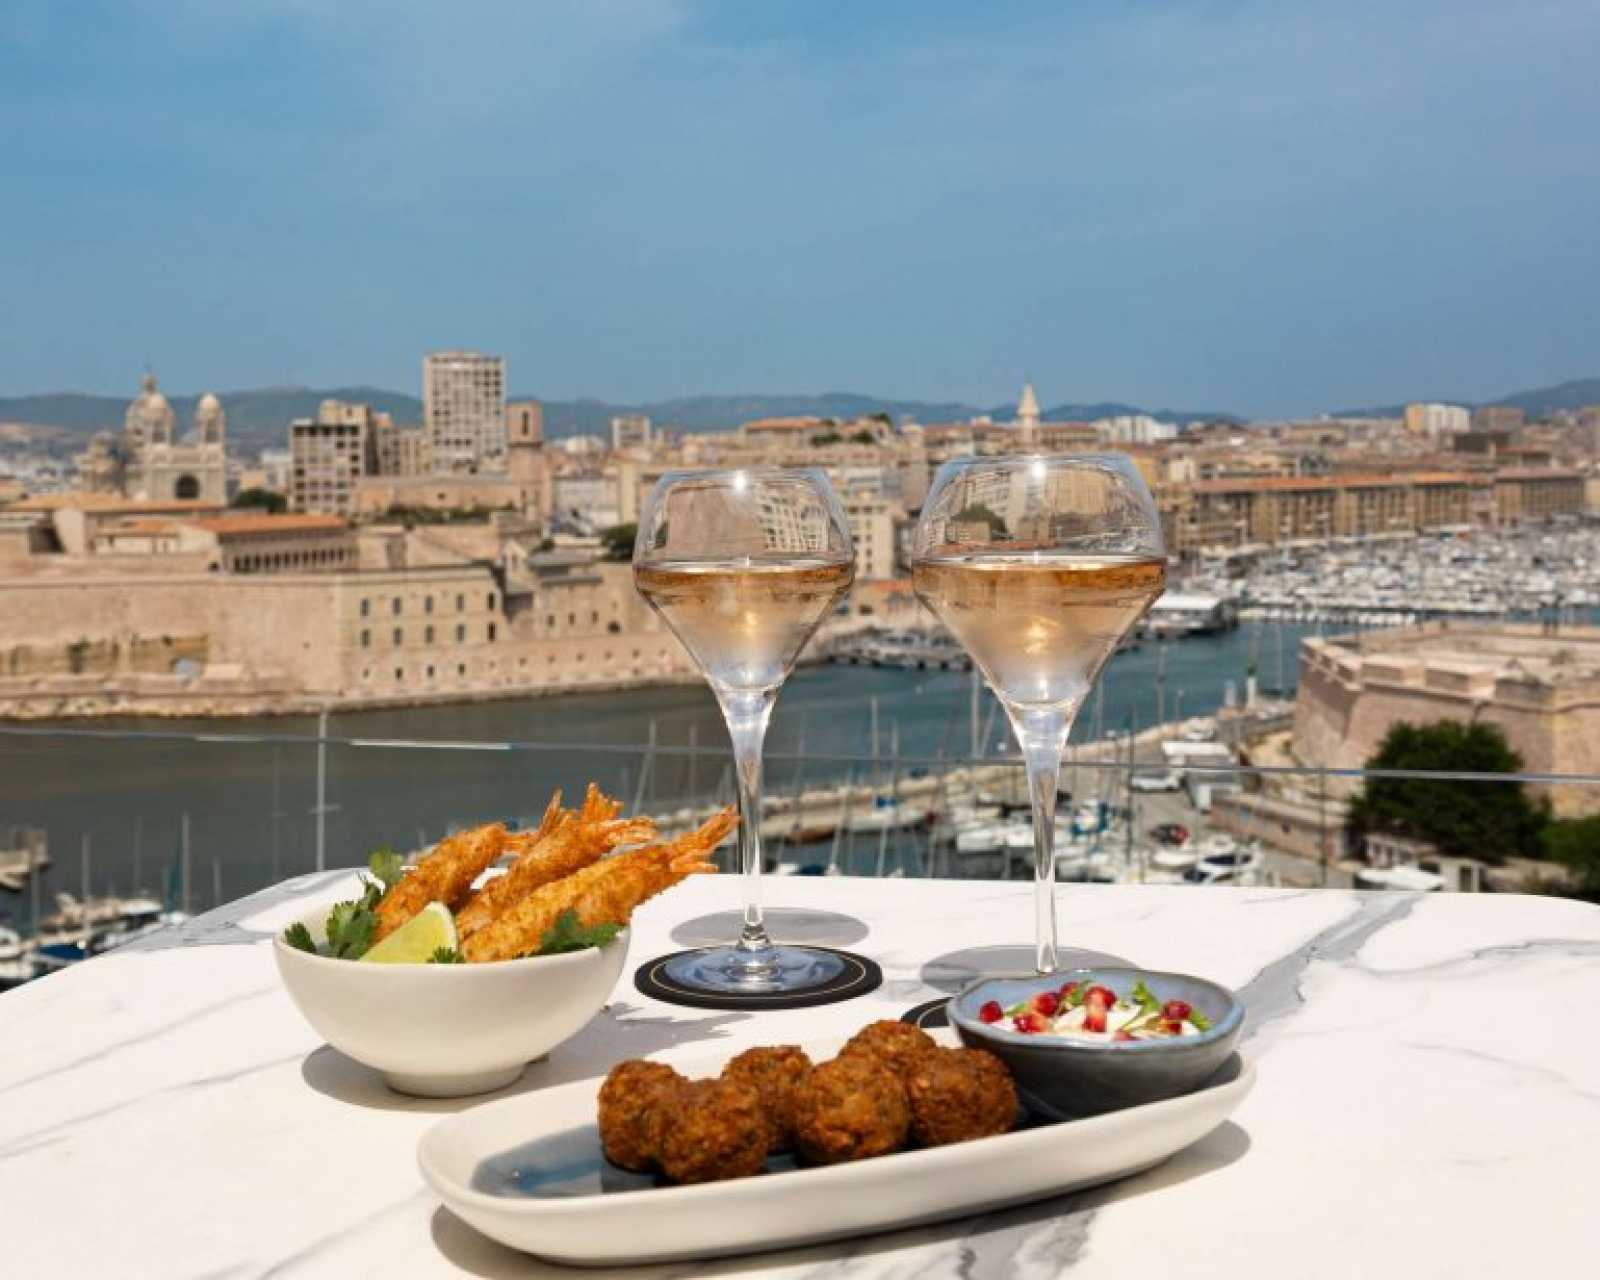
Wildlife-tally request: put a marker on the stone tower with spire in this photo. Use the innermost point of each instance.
(1028, 415)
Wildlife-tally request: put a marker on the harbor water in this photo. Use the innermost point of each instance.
(250, 808)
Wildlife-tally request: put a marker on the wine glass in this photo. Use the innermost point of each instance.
(742, 565)
(1039, 565)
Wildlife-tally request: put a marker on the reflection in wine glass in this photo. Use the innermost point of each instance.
(1039, 565)
(742, 566)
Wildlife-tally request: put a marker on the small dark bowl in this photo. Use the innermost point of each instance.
(1062, 1077)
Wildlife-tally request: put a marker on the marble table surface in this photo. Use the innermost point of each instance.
(1428, 1101)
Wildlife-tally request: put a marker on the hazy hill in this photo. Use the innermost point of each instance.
(259, 418)
(1536, 403)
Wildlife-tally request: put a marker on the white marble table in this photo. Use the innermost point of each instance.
(1428, 1103)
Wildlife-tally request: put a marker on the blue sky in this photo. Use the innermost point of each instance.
(1268, 206)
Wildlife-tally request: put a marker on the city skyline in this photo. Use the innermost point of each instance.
(1268, 210)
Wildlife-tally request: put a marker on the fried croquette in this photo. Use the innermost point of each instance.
(635, 1101)
(715, 1129)
(773, 1073)
(849, 1109)
(897, 1045)
(956, 1095)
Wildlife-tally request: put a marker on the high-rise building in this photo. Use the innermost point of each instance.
(1437, 419)
(328, 454)
(1497, 417)
(464, 410)
(630, 431)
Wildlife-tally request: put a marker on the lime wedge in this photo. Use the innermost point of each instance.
(418, 938)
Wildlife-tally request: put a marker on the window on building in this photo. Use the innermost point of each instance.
(491, 631)
(397, 606)
(399, 673)
(550, 621)
(489, 602)
(366, 639)
(461, 633)
(430, 671)
(572, 619)
(427, 605)
(461, 668)
(461, 604)
(399, 636)
(366, 608)
(594, 615)
(427, 635)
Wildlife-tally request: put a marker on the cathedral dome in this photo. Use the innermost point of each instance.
(209, 403)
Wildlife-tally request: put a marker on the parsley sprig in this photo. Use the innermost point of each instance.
(569, 934)
(351, 925)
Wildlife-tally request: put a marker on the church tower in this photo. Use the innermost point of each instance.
(1028, 414)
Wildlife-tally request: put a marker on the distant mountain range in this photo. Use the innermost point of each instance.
(259, 418)
(1536, 403)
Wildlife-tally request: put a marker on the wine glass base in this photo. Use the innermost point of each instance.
(780, 977)
(956, 970)
(776, 969)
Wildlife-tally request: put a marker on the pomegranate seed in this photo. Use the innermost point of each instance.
(1094, 1018)
(991, 1012)
(1101, 993)
(1030, 1023)
(1066, 993)
(1172, 1028)
(1046, 1002)
(1177, 1010)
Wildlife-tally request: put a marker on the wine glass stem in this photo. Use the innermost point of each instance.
(1042, 735)
(747, 715)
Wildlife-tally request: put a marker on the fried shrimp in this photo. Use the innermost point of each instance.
(606, 892)
(574, 841)
(444, 875)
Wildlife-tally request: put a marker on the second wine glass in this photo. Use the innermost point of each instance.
(743, 565)
(1039, 565)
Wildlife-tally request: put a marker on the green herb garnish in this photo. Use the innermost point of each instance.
(386, 867)
(350, 929)
(1145, 998)
(352, 925)
(299, 937)
(447, 955)
(567, 934)
(1201, 1022)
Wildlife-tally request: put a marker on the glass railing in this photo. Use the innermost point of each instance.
(199, 819)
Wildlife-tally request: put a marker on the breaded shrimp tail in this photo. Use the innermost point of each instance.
(445, 875)
(573, 846)
(605, 892)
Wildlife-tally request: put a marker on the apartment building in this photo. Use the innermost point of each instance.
(464, 409)
(328, 454)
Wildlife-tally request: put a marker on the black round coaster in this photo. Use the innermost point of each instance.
(929, 1015)
(860, 976)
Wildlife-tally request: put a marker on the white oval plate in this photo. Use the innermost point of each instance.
(574, 1222)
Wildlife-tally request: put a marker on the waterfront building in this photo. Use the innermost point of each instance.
(464, 410)
(329, 454)
(251, 543)
(1523, 495)
(1541, 689)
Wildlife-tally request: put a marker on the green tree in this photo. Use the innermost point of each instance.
(827, 437)
(863, 437)
(618, 540)
(1575, 844)
(1487, 820)
(263, 499)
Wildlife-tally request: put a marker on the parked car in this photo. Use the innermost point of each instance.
(1170, 833)
(1167, 781)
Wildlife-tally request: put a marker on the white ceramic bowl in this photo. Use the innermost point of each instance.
(448, 1030)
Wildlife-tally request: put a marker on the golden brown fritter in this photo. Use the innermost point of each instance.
(443, 875)
(959, 1094)
(606, 892)
(715, 1130)
(635, 1101)
(897, 1045)
(773, 1073)
(849, 1109)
